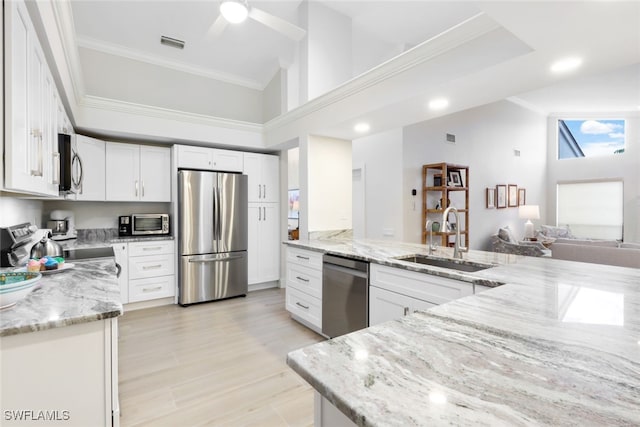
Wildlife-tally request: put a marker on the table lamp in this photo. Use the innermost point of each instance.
(529, 212)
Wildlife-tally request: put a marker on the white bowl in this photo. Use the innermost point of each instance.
(17, 279)
(9, 297)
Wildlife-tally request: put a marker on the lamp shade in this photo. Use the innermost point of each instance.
(234, 11)
(529, 212)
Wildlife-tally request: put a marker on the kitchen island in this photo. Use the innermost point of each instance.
(557, 344)
(58, 349)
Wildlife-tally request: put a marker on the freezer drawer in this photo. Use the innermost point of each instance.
(212, 276)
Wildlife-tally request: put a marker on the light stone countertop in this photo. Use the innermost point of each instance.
(558, 344)
(86, 293)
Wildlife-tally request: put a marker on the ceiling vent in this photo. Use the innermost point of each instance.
(168, 41)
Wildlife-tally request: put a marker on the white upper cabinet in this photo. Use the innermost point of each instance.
(264, 177)
(209, 159)
(122, 172)
(138, 173)
(30, 159)
(92, 154)
(155, 174)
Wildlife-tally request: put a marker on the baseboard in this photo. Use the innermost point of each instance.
(264, 285)
(148, 304)
(308, 325)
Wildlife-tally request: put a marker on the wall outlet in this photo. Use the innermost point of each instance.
(388, 232)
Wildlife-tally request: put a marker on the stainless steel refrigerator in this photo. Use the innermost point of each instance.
(213, 236)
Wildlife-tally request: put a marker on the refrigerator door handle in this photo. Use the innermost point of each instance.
(218, 226)
(218, 259)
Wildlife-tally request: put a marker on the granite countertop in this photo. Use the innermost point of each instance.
(557, 344)
(385, 252)
(86, 293)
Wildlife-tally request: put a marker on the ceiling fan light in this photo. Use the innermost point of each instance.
(234, 11)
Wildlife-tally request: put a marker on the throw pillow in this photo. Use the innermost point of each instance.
(556, 232)
(507, 235)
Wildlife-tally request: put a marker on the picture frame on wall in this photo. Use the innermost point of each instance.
(522, 197)
(501, 196)
(455, 179)
(491, 198)
(513, 196)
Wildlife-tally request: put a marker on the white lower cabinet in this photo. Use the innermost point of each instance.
(150, 271)
(396, 292)
(68, 374)
(264, 242)
(386, 305)
(122, 259)
(304, 306)
(152, 288)
(304, 286)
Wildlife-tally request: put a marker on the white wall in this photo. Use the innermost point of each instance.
(369, 51)
(620, 166)
(103, 214)
(328, 51)
(380, 157)
(15, 211)
(293, 169)
(272, 98)
(486, 139)
(328, 190)
(124, 79)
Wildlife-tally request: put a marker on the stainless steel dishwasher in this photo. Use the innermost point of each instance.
(345, 295)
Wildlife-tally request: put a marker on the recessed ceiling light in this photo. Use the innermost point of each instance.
(565, 65)
(362, 127)
(234, 11)
(438, 104)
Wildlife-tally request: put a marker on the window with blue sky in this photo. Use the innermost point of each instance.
(590, 138)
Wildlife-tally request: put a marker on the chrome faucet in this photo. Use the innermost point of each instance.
(457, 249)
(428, 226)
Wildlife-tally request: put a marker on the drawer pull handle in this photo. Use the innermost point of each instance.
(151, 267)
(406, 311)
(306, 307)
(302, 279)
(155, 248)
(302, 257)
(156, 288)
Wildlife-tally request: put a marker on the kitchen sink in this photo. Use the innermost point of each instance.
(459, 265)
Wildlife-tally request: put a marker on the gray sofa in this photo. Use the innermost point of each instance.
(518, 248)
(609, 252)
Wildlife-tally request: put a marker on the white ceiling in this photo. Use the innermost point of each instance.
(606, 34)
(247, 53)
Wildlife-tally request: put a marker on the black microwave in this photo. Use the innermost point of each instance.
(143, 224)
(70, 166)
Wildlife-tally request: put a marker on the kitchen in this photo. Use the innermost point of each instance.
(88, 216)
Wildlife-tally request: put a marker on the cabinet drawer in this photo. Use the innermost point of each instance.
(157, 247)
(150, 266)
(304, 257)
(423, 286)
(305, 279)
(305, 307)
(156, 287)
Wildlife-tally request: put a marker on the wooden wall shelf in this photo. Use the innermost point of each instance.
(432, 194)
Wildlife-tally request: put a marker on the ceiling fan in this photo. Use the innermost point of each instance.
(236, 11)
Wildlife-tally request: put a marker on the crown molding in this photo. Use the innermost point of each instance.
(107, 104)
(63, 16)
(468, 30)
(136, 55)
